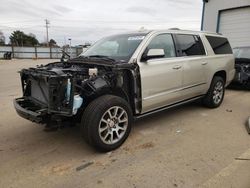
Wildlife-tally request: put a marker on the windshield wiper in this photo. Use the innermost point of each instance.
(102, 57)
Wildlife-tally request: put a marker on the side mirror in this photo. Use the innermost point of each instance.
(155, 53)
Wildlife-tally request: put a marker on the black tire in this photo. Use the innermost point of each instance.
(97, 111)
(210, 100)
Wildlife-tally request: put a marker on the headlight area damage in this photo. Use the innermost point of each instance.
(242, 67)
(61, 90)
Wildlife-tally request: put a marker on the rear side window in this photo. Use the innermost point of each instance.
(190, 45)
(220, 45)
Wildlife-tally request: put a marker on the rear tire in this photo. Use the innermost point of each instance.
(106, 122)
(215, 94)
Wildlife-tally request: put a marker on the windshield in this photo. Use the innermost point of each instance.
(242, 52)
(118, 47)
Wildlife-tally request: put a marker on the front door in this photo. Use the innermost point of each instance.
(161, 78)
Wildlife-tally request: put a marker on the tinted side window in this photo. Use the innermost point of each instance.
(220, 45)
(190, 45)
(165, 42)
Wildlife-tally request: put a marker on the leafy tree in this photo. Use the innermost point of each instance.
(31, 40)
(19, 38)
(2, 38)
(52, 42)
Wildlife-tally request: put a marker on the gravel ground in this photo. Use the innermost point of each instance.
(190, 146)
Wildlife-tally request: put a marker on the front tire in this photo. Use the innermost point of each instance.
(215, 94)
(106, 122)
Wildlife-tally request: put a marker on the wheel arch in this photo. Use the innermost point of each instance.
(222, 74)
(119, 92)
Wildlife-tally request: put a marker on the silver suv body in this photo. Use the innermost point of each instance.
(127, 76)
(178, 75)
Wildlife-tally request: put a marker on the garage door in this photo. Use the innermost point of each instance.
(235, 24)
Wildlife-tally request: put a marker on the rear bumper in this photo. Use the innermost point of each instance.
(23, 111)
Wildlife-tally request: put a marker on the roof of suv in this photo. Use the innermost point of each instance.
(176, 30)
(187, 31)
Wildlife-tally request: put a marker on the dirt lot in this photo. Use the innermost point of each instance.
(190, 146)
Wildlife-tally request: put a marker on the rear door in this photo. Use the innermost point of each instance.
(161, 78)
(191, 50)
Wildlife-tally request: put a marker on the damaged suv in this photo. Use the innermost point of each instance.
(124, 77)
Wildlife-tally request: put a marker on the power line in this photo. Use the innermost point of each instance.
(20, 21)
(3, 27)
(125, 21)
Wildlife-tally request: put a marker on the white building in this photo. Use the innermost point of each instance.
(229, 17)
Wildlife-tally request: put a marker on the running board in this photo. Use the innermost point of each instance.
(168, 107)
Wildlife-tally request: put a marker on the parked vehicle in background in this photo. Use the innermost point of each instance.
(7, 55)
(127, 76)
(242, 65)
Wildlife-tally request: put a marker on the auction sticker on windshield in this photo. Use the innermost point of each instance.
(136, 38)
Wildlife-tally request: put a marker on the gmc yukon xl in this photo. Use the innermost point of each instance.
(127, 76)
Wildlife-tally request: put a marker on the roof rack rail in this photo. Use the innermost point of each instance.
(174, 28)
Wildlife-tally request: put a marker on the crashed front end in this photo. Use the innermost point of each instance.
(59, 90)
(62, 90)
(44, 94)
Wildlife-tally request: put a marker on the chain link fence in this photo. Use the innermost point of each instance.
(39, 52)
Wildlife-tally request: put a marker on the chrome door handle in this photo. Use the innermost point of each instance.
(177, 67)
(204, 63)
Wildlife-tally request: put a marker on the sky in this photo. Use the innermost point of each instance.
(89, 20)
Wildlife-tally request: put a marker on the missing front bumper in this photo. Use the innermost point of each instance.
(28, 109)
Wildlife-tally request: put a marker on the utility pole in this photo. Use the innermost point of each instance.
(47, 30)
(70, 47)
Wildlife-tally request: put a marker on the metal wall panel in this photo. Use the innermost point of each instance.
(212, 8)
(235, 24)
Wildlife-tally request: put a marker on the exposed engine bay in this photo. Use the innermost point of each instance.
(62, 89)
